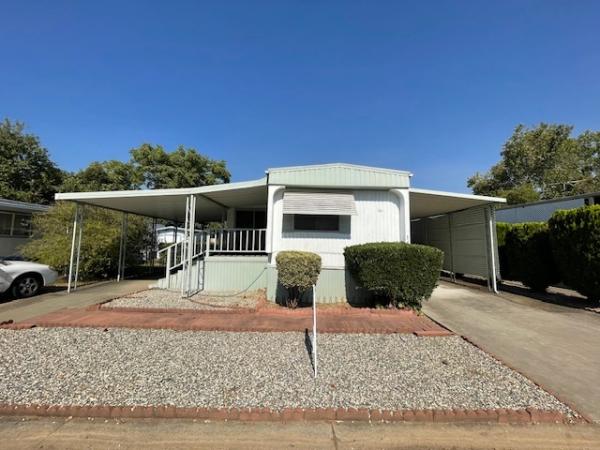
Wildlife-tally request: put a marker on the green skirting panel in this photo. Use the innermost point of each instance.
(235, 273)
(333, 286)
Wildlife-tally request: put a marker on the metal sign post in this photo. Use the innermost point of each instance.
(314, 333)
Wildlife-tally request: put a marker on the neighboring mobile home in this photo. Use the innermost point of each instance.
(542, 210)
(15, 225)
(319, 208)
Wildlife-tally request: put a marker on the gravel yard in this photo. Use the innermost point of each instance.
(163, 299)
(163, 367)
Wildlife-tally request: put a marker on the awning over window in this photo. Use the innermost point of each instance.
(319, 203)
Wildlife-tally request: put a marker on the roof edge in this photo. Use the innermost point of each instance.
(74, 196)
(25, 206)
(458, 195)
(339, 164)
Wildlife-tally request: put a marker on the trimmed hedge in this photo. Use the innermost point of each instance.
(297, 272)
(529, 255)
(502, 228)
(404, 274)
(575, 238)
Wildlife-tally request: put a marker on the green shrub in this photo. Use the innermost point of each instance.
(297, 272)
(52, 234)
(529, 256)
(575, 238)
(502, 228)
(404, 274)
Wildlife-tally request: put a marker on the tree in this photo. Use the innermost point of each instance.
(149, 167)
(184, 167)
(542, 162)
(51, 242)
(26, 171)
(103, 176)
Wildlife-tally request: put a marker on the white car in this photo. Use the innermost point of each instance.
(24, 278)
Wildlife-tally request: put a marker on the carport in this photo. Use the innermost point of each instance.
(186, 206)
(463, 226)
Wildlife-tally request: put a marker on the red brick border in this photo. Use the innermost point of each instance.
(529, 415)
(102, 307)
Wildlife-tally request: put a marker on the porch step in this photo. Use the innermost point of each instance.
(173, 281)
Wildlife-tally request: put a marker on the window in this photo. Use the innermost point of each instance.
(22, 225)
(316, 222)
(12, 224)
(5, 223)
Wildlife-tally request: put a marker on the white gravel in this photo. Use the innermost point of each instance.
(164, 367)
(163, 299)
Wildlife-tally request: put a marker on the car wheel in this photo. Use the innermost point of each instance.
(26, 286)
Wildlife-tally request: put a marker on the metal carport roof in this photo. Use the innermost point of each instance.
(428, 203)
(169, 204)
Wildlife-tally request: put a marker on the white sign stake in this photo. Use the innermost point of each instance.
(314, 333)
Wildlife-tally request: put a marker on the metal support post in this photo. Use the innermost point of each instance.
(73, 240)
(184, 246)
(489, 214)
(78, 248)
(122, 248)
(314, 333)
(190, 253)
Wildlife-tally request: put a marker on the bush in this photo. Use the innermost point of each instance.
(404, 274)
(297, 272)
(529, 256)
(575, 238)
(52, 234)
(502, 228)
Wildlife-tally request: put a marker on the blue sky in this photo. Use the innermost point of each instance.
(430, 87)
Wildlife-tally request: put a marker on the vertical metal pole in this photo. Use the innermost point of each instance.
(192, 223)
(122, 248)
(183, 245)
(125, 229)
(78, 248)
(492, 253)
(75, 223)
(207, 242)
(314, 336)
(168, 271)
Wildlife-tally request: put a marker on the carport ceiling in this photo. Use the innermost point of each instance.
(427, 203)
(169, 204)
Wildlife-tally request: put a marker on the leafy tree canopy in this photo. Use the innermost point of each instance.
(184, 167)
(150, 167)
(103, 176)
(543, 162)
(26, 172)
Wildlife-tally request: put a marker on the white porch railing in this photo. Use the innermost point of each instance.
(225, 241)
(236, 240)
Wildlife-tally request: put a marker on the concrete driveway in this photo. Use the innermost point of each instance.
(27, 308)
(555, 346)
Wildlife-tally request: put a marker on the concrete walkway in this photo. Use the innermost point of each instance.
(175, 434)
(556, 346)
(27, 308)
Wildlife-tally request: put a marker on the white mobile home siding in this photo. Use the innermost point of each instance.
(378, 218)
